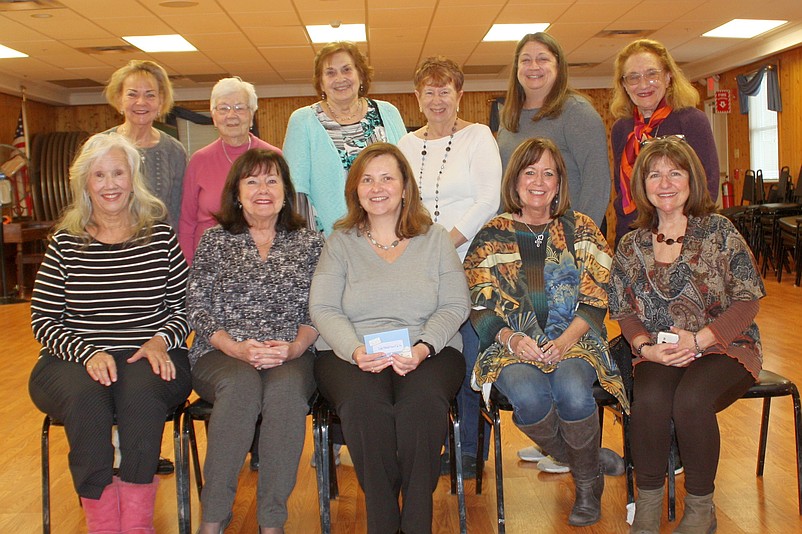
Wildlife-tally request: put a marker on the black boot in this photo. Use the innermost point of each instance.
(582, 440)
(546, 433)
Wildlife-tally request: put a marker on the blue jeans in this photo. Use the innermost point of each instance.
(467, 399)
(532, 392)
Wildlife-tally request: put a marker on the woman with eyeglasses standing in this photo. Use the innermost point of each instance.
(653, 98)
(233, 105)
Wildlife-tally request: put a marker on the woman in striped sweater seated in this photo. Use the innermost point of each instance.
(108, 309)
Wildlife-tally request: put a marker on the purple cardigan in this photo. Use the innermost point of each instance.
(690, 122)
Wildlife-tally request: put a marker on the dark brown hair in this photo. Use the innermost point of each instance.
(553, 105)
(414, 219)
(679, 152)
(252, 163)
(527, 153)
(360, 64)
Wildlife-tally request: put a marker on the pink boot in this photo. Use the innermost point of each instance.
(136, 507)
(103, 515)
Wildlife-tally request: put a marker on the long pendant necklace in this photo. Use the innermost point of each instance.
(423, 153)
(379, 245)
(356, 113)
(222, 144)
(538, 236)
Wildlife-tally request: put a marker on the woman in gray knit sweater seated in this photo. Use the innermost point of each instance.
(387, 267)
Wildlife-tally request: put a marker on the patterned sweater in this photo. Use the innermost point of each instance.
(232, 289)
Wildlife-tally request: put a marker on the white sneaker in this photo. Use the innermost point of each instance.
(531, 454)
(336, 447)
(550, 465)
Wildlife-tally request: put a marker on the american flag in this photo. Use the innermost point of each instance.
(22, 196)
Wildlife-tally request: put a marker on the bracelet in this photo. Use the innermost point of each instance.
(696, 344)
(644, 344)
(509, 340)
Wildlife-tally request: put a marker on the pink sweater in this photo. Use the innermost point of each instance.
(203, 185)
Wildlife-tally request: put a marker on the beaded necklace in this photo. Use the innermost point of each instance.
(423, 153)
(379, 245)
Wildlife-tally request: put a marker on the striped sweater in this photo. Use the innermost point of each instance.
(100, 297)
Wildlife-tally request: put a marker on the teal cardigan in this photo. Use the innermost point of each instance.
(315, 164)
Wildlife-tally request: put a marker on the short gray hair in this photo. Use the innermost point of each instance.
(228, 86)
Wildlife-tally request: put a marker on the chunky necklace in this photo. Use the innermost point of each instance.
(379, 245)
(440, 172)
(226, 153)
(346, 117)
(661, 238)
(538, 236)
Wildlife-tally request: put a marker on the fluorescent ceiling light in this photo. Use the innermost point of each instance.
(513, 32)
(160, 43)
(6, 52)
(327, 33)
(744, 28)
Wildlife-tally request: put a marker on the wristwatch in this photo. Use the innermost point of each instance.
(428, 346)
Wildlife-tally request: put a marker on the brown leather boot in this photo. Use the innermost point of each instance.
(546, 433)
(699, 516)
(582, 439)
(648, 511)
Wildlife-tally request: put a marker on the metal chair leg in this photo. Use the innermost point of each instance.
(798, 436)
(181, 493)
(499, 473)
(320, 426)
(46, 475)
(456, 474)
(764, 433)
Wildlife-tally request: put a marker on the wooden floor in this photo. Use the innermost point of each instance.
(536, 502)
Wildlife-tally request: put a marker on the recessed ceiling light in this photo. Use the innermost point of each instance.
(328, 33)
(513, 32)
(744, 28)
(160, 43)
(6, 52)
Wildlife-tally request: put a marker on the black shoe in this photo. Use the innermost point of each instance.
(254, 462)
(165, 467)
(468, 466)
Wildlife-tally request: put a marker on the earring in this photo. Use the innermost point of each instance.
(361, 88)
(239, 205)
(323, 95)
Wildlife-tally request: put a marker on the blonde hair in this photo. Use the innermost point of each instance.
(140, 67)
(144, 208)
(680, 93)
(414, 219)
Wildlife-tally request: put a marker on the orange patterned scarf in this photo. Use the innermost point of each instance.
(641, 131)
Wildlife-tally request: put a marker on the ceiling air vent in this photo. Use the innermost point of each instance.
(109, 49)
(482, 69)
(624, 33)
(586, 65)
(81, 83)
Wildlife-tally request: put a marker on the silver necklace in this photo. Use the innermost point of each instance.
(226, 153)
(347, 117)
(379, 245)
(538, 236)
(423, 153)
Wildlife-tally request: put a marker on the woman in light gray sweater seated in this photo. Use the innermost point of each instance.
(388, 267)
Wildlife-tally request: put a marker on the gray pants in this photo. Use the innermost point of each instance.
(240, 393)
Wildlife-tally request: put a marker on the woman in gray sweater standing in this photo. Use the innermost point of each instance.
(387, 267)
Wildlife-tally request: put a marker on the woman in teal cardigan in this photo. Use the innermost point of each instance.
(324, 139)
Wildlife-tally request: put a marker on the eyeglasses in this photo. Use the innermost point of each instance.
(633, 78)
(674, 137)
(239, 109)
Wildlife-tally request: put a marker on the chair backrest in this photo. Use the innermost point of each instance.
(759, 192)
(748, 191)
(780, 193)
(796, 195)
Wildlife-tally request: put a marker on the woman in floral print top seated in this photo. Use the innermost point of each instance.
(247, 301)
(537, 275)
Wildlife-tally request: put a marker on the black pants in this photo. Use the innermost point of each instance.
(691, 396)
(394, 427)
(139, 398)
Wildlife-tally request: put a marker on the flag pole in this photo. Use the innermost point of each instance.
(25, 121)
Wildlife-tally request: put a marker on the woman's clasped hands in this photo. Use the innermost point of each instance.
(265, 354)
(379, 361)
(680, 354)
